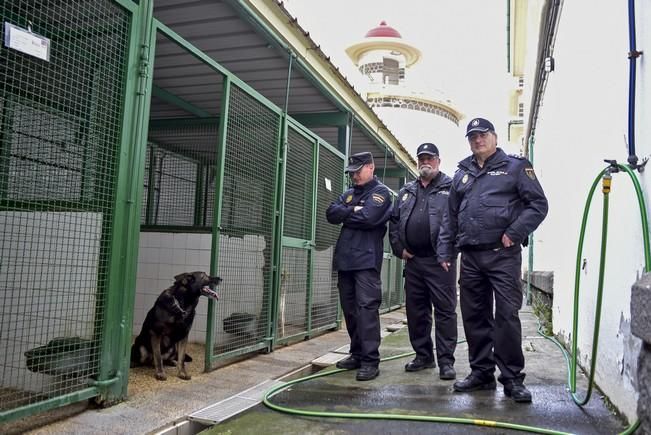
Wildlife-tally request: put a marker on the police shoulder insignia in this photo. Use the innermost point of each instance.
(405, 196)
(377, 198)
(349, 198)
(464, 180)
(530, 173)
(517, 156)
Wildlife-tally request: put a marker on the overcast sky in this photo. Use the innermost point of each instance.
(463, 45)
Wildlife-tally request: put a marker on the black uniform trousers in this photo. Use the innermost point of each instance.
(360, 293)
(427, 284)
(487, 276)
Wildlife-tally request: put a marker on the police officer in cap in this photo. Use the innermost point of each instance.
(363, 211)
(495, 202)
(414, 234)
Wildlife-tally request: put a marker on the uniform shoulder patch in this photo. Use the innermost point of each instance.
(517, 156)
(349, 198)
(377, 198)
(530, 173)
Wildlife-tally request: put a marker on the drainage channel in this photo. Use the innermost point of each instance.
(221, 411)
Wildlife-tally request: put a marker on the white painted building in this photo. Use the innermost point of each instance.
(576, 111)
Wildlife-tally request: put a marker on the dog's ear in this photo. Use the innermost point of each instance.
(182, 278)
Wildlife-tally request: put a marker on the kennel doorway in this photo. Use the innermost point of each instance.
(209, 198)
(307, 301)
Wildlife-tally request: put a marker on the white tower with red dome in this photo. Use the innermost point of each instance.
(413, 114)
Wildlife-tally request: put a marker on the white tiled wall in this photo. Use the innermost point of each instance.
(161, 257)
(164, 255)
(48, 286)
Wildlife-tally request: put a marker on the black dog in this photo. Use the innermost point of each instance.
(164, 333)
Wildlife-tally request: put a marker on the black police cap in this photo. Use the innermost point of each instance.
(427, 148)
(356, 161)
(480, 125)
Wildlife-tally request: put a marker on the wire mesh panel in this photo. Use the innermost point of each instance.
(250, 176)
(330, 184)
(397, 295)
(294, 286)
(385, 276)
(298, 186)
(292, 306)
(60, 131)
(180, 175)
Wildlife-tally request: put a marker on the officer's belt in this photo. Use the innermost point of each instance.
(482, 247)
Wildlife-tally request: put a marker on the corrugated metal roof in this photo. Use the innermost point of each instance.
(221, 32)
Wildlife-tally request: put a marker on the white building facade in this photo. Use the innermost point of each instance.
(576, 115)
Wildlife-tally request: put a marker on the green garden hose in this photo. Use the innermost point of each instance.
(369, 416)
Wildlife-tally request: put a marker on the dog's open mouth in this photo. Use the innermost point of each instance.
(208, 292)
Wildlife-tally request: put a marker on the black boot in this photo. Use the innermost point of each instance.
(366, 373)
(349, 363)
(447, 372)
(517, 391)
(419, 364)
(474, 382)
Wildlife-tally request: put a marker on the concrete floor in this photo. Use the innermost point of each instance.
(423, 393)
(394, 391)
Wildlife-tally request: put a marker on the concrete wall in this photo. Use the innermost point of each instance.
(164, 255)
(583, 120)
(641, 327)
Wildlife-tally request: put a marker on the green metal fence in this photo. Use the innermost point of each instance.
(246, 174)
(234, 186)
(391, 275)
(60, 130)
(246, 229)
(330, 184)
(293, 307)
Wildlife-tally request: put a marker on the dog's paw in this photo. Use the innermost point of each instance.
(161, 376)
(185, 376)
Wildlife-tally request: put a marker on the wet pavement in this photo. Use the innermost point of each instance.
(423, 393)
(394, 392)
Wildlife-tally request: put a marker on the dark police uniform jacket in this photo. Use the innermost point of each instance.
(503, 197)
(437, 204)
(360, 243)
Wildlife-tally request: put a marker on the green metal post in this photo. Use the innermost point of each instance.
(126, 230)
(312, 242)
(279, 216)
(217, 214)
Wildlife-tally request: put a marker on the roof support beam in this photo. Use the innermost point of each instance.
(169, 97)
(182, 122)
(322, 119)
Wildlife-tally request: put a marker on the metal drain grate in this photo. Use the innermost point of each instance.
(227, 408)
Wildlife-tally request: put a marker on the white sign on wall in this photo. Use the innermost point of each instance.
(25, 41)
